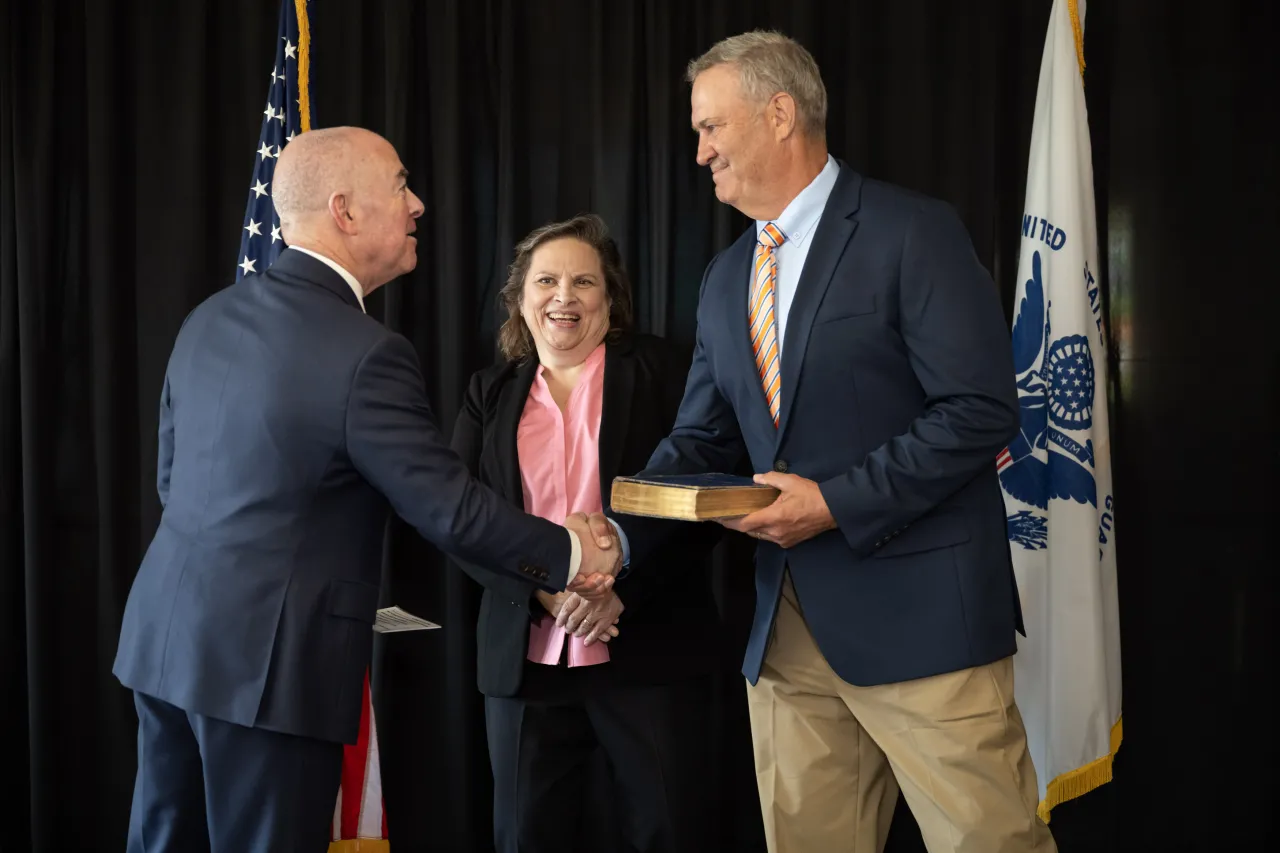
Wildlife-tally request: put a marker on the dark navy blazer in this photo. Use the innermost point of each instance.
(289, 420)
(897, 394)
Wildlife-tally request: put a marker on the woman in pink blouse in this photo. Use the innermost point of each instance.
(581, 399)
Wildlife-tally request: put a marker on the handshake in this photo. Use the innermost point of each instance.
(589, 608)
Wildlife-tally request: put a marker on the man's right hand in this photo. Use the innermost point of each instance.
(601, 555)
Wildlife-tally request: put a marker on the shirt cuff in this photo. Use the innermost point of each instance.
(626, 547)
(575, 557)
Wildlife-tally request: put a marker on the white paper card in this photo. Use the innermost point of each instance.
(393, 619)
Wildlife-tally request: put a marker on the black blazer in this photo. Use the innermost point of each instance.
(667, 628)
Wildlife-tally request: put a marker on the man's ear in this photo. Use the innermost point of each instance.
(340, 212)
(781, 114)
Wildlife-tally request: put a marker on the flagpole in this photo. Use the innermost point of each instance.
(304, 63)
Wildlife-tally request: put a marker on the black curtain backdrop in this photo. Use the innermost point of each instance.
(127, 136)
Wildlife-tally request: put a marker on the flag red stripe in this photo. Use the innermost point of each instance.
(353, 770)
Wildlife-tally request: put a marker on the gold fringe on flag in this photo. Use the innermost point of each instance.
(1073, 9)
(1078, 782)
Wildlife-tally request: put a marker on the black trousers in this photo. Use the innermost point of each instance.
(656, 742)
(209, 786)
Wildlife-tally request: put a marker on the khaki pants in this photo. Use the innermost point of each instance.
(830, 757)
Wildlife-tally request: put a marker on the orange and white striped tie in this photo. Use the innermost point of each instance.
(761, 317)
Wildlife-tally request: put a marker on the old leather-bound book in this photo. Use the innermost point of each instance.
(690, 497)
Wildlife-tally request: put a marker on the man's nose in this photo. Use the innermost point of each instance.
(706, 152)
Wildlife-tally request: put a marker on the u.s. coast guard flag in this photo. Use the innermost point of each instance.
(1056, 474)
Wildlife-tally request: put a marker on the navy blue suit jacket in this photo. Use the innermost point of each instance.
(897, 394)
(289, 421)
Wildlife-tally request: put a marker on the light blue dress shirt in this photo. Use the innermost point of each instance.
(797, 223)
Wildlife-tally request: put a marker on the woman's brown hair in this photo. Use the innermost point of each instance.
(514, 337)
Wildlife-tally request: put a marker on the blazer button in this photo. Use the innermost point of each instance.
(780, 466)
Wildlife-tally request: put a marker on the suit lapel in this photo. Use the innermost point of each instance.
(511, 402)
(829, 240)
(615, 411)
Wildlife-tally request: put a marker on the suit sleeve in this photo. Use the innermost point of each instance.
(394, 443)
(164, 453)
(959, 350)
(687, 544)
(468, 442)
(704, 439)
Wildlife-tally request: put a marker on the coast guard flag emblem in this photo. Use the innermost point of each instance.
(1056, 473)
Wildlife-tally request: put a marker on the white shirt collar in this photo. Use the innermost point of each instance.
(340, 270)
(799, 218)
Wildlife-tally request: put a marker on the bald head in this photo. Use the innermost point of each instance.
(343, 192)
(317, 164)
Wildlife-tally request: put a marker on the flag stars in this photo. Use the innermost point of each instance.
(254, 228)
(265, 152)
(275, 232)
(247, 265)
(290, 49)
(260, 188)
(276, 77)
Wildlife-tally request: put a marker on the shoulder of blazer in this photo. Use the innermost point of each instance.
(301, 267)
(488, 381)
(658, 355)
(896, 206)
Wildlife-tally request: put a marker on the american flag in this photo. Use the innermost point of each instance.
(286, 114)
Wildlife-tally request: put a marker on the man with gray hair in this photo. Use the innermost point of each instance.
(852, 346)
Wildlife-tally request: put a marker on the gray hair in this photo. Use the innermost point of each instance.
(769, 62)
